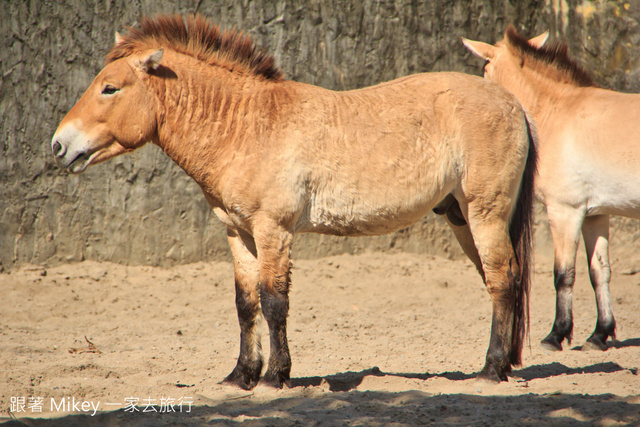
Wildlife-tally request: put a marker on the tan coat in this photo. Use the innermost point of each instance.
(275, 157)
(589, 162)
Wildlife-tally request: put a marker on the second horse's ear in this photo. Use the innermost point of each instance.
(118, 38)
(540, 40)
(151, 60)
(480, 49)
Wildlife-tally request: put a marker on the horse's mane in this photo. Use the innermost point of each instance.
(197, 37)
(555, 56)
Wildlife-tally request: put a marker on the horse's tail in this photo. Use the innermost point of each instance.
(521, 234)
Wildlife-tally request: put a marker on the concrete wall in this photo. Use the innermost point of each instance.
(141, 208)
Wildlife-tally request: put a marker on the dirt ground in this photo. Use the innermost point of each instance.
(376, 339)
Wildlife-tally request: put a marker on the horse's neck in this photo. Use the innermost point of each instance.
(541, 95)
(203, 120)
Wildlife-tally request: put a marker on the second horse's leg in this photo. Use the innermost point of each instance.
(565, 223)
(595, 231)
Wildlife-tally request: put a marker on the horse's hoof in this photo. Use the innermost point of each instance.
(276, 380)
(239, 380)
(551, 343)
(491, 375)
(594, 344)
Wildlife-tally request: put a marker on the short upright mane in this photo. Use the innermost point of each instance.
(554, 56)
(197, 37)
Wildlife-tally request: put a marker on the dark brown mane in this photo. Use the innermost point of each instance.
(197, 37)
(554, 55)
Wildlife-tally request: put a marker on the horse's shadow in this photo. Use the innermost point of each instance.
(344, 381)
(555, 369)
(347, 381)
(631, 342)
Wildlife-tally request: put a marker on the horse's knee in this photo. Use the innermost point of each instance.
(500, 272)
(599, 270)
(275, 303)
(564, 277)
(247, 298)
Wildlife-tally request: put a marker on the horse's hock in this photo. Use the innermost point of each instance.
(143, 209)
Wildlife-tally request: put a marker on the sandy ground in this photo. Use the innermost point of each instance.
(375, 339)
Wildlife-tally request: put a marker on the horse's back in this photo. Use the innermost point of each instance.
(381, 157)
(430, 108)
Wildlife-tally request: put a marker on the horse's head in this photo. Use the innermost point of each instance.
(500, 59)
(115, 115)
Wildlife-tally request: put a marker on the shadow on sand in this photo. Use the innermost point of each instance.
(345, 405)
(348, 381)
(380, 408)
(631, 342)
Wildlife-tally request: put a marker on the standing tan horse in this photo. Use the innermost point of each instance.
(275, 157)
(589, 163)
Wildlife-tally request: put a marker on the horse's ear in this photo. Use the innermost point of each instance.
(151, 61)
(118, 38)
(480, 49)
(539, 41)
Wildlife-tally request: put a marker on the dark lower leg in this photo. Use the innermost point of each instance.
(606, 323)
(595, 231)
(275, 307)
(247, 371)
(502, 354)
(563, 325)
(497, 364)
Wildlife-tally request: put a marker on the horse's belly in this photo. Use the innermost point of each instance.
(587, 176)
(361, 219)
(623, 200)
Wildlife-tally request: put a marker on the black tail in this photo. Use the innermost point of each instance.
(521, 234)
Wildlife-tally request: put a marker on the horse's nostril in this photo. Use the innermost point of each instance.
(56, 148)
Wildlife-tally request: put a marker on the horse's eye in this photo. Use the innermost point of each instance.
(109, 90)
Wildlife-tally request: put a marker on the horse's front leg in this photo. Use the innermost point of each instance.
(565, 224)
(245, 264)
(274, 248)
(595, 231)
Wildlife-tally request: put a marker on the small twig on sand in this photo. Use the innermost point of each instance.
(238, 397)
(90, 349)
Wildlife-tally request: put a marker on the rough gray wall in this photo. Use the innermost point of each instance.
(141, 208)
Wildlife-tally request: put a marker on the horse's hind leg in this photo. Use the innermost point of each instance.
(565, 223)
(247, 371)
(595, 231)
(491, 236)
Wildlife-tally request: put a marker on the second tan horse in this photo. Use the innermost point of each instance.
(589, 164)
(276, 157)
